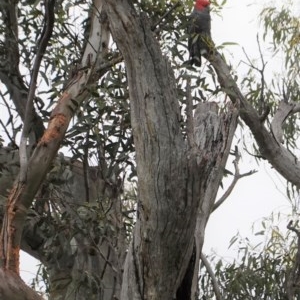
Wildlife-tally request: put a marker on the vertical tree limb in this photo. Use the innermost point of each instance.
(23, 192)
(27, 126)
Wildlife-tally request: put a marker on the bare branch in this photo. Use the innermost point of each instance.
(263, 109)
(23, 193)
(212, 276)
(103, 67)
(236, 177)
(86, 167)
(7, 133)
(278, 156)
(283, 111)
(262, 105)
(13, 287)
(10, 120)
(94, 47)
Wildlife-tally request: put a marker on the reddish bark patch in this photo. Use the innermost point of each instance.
(53, 131)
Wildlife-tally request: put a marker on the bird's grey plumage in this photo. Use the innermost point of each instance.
(199, 34)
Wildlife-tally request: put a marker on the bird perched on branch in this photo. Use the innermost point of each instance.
(200, 42)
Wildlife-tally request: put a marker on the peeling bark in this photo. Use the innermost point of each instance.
(79, 265)
(283, 111)
(22, 193)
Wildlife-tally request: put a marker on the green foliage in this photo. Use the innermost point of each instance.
(102, 127)
(280, 31)
(284, 26)
(101, 132)
(261, 271)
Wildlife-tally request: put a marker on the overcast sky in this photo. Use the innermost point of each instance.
(254, 197)
(259, 195)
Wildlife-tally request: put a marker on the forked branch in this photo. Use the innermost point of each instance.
(237, 176)
(278, 156)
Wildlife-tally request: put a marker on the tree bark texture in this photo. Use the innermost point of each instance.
(173, 176)
(81, 264)
(33, 172)
(83, 260)
(178, 177)
(12, 287)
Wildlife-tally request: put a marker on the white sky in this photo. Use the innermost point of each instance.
(256, 196)
(259, 195)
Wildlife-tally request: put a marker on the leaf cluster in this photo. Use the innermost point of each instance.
(261, 271)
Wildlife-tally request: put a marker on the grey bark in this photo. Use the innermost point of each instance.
(173, 176)
(270, 146)
(178, 182)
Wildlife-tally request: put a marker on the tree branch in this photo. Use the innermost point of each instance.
(10, 120)
(236, 177)
(23, 193)
(283, 111)
(42, 45)
(93, 52)
(174, 6)
(9, 66)
(13, 287)
(263, 109)
(212, 276)
(279, 157)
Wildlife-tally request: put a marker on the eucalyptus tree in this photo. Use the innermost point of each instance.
(117, 147)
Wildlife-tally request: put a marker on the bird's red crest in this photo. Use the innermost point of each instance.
(201, 4)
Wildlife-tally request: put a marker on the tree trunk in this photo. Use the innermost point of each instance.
(178, 178)
(174, 177)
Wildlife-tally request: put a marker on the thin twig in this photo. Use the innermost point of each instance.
(7, 133)
(86, 167)
(263, 110)
(106, 66)
(293, 280)
(262, 105)
(11, 138)
(236, 177)
(177, 4)
(42, 45)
